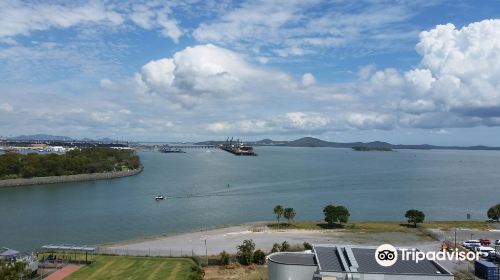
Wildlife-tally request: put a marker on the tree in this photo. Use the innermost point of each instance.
(415, 216)
(245, 252)
(224, 258)
(259, 257)
(336, 214)
(278, 211)
(285, 247)
(289, 214)
(494, 212)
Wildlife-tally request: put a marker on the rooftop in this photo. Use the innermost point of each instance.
(293, 258)
(362, 259)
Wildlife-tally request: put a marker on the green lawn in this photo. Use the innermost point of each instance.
(132, 268)
(374, 227)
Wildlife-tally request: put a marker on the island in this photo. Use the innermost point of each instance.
(369, 149)
(75, 165)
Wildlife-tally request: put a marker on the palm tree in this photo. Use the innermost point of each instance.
(278, 211)
(289, 214)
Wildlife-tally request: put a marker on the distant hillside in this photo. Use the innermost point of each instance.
(41, 137)
(48, 137)
(375, 145)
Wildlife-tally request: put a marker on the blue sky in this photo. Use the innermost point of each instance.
(397, 71)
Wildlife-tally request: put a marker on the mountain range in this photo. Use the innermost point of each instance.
(315, 142)
(48, 137)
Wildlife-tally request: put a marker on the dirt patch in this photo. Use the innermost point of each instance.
(236, 271)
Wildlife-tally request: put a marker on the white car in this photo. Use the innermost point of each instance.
(497, 242)
(469, 243)
(484, 251)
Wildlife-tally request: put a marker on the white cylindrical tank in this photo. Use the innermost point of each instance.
(291, 266)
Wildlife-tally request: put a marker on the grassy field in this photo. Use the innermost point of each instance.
(376, 227)
(132, 268)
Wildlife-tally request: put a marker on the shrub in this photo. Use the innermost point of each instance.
(224, 258)
(276, 248)
(307, 246)
(259, 257)
(285, 247)
(245, 252)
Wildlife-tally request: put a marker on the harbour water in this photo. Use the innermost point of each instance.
(214, 188)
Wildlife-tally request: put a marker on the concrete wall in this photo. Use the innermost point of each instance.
(68, 178)
(277, 271)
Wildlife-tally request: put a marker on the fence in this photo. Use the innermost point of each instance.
(146, 252)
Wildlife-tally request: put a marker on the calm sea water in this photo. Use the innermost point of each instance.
(373, 185)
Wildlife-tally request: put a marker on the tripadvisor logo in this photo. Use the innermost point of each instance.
(387, 255)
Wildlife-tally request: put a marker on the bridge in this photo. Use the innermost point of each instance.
(194, 146)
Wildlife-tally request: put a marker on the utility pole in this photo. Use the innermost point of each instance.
(206, 253)
(455, 238)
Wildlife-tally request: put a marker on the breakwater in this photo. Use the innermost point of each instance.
(68, 178)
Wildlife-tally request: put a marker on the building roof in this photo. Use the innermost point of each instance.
(362, 260)
(64, 247)
(328, 259)
(293, 258)
(368, 264)
(6, 252)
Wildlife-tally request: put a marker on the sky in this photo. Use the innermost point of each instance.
(405, 72)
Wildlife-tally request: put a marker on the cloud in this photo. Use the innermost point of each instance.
(6, 108)
(206, 73)
(296, 28)
(308, 80)
(21, 18)
(458, 76)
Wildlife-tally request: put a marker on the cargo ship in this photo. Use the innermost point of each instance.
(237, 148)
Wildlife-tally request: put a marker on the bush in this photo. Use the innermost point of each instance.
(245, 252)
(224, 258)
(285, 247)
(259, 257)
(307, 246)
(276, 248)
(197, 273)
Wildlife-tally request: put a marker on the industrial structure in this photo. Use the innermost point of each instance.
(331, 262)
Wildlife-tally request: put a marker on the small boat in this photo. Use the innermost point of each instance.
(159, 197)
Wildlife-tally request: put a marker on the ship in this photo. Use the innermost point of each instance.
(237, 148)
(168, 149)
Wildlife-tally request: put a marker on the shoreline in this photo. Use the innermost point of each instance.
(21, 182)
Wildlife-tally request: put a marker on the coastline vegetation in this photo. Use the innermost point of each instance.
(383, 226)
(78, 161)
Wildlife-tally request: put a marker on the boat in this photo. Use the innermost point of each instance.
(237, 148)
(159, 197)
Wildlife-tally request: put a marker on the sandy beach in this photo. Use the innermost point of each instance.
(228, 238)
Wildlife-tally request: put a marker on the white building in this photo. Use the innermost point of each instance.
(330, 262)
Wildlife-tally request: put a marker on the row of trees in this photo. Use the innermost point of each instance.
(338, 214)
(333, 214)
(287, 213)
(78, 161)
